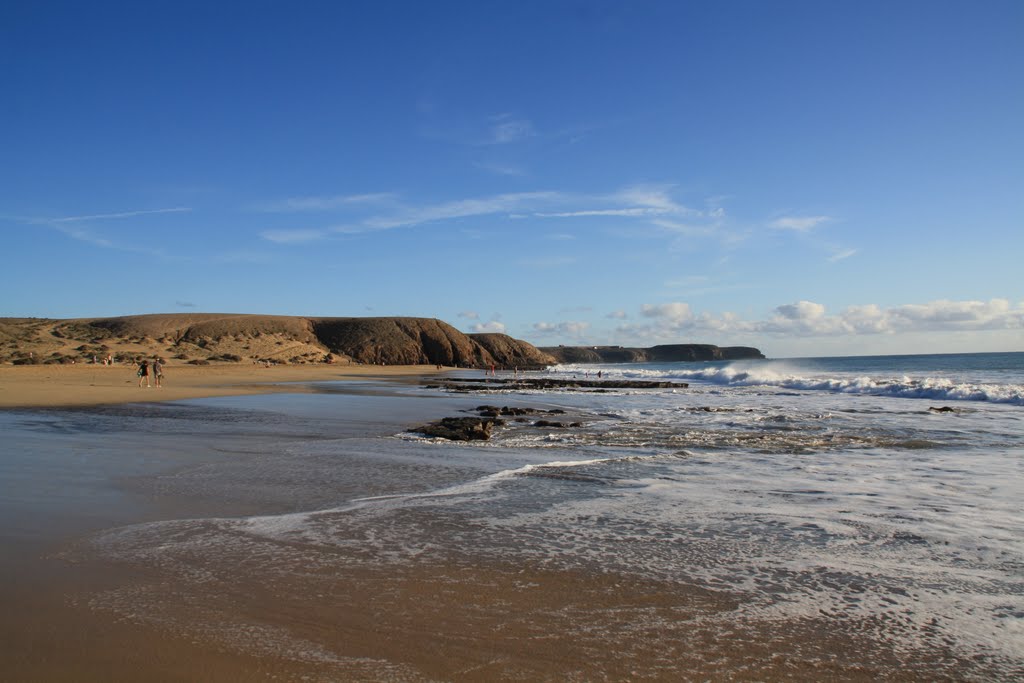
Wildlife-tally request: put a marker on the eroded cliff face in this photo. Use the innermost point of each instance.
(396, 341)
(665, 353)
(411, 341)
(506, 351)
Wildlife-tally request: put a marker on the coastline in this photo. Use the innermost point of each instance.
(291, 531)
(80, 385)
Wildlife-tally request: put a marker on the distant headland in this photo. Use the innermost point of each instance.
(204, 338)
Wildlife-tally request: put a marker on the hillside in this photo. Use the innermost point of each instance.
(232, 338)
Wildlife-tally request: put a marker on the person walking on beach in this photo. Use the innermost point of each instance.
(144, 373)
(158, 372)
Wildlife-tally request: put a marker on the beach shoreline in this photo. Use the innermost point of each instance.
(80, 385)
(292, 529)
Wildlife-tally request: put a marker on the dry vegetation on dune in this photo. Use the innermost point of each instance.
(204, 338)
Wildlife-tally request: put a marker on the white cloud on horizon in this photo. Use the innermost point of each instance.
(811, 319)
(471, 315)
(675, 312)
(570, 328)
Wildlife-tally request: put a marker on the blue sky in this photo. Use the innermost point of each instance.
(811, 178)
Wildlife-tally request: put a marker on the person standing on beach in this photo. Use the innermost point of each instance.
(158, 372)
(144, 373)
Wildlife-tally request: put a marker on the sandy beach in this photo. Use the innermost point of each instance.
(41, 386)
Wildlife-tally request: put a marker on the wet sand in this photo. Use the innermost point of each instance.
(48, 630)
(37, 386)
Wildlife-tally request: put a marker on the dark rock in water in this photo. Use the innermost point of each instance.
(554, 424)
(487, 384)
(506, 411)
(460, 428)
(943, 409)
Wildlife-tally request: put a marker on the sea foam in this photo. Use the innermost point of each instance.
(739, 375)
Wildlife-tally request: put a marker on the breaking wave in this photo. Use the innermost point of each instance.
(778, 375)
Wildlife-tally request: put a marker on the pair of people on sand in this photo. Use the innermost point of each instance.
(156, 370)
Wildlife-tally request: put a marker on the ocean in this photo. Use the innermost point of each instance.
(840, 518)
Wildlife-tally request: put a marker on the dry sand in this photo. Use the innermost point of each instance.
(41, 386)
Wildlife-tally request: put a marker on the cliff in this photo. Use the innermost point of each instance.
(209, 337)
(655, 354)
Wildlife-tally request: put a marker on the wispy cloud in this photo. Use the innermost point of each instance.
(67, 226)
(648, 210)
(634, 211)
(95, 240)
(842, 254)
(507, 128)
(299, 204)
(501, 169)
(463, 208)
(633, 201)
(410, 216)
(300, 236)
(105, 216)
(799, 223)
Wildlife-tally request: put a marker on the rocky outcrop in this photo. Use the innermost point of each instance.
(460, 428)
(411, 341)
(656, 354)
(505, 351)
(396, 341)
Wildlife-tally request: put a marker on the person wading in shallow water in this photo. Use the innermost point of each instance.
(144, 373)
